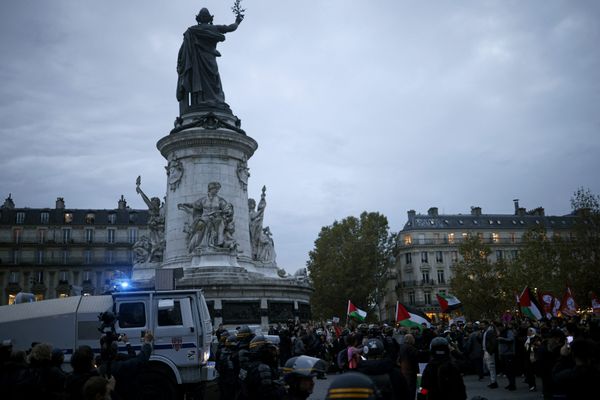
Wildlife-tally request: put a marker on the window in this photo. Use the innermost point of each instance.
(39, 277)
(407, 240)
(132, 217)
(427, 296)
(40, 257)
(90, 218)
(87, 276)
(411, 298)
(133, 235)
(111, 235)
(68, 218)
(16, 257)
(436, 238)
(480, 236)
(112, 218)
(425, 275)
(44, 217)
(132, 315)
(440, 276)
(42, 234)
(89, 235)
(451, 238)
(20, 217)
(14, 277)
(66, 235)
(421, 238)
(408, 257)
(455, 256)
(63, 276)
(423, 256)
(439, 257)
(66, 254)
(87, 255)
(495, 237)
(499, 255)
(170, 317)
(109, 256)
(513, 237)
(514, 254)
(17, 233)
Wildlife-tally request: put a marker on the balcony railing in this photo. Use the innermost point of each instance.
(458, 241)
(421, 283)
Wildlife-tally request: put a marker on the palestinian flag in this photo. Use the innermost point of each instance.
(568, 307)
(529, 305)
(411, 317)
(448, 302)
(355, 312)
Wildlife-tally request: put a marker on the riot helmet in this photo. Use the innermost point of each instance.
(352, 385)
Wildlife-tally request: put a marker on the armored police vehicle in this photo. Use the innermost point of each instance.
(179, 320)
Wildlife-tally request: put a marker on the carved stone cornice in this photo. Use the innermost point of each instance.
(198, 137)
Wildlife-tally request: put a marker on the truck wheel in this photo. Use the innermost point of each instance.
(154, 385)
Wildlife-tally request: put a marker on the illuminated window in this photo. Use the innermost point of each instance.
(39, 297)
(20, 217)
(407, 240)
(68, 218)
(111, 235)
(90, 218)
(495, 237)
(451, 238)
(89, 235)
(17, 235)
(63, 295)
(133, 235)
(44, 217)
(11, 298)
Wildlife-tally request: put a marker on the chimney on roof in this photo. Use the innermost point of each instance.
(411, 214)
(476, 211)
(432, 212)
(122, 203)
(60, 203)
(521, 211)
(8, 202)
(516, 201)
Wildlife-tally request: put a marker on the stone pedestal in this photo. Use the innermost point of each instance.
(206, 155)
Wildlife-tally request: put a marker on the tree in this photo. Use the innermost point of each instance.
(349, 262)
(478, 283)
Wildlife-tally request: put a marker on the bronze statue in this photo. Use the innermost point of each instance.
(199, 82)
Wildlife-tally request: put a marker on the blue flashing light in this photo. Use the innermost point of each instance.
(124, 285)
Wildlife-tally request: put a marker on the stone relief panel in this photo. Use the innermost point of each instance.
(241, 312)
(243, 173)
(280, 311)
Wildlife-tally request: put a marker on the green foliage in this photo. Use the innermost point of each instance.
(478, 283)
(349, 261)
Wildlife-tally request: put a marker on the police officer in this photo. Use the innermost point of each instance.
(299, 373)
(228, 368)
(383, 371)
(261, 380)
(352, 386)
(242, 355)
(441, 378)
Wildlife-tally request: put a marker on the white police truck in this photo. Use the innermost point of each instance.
(179, 320)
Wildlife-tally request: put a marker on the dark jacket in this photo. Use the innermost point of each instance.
(387, 378)
(442, 380)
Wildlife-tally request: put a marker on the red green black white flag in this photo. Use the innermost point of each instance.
(411, 317)
(529, 305)
(448, 302)
(355, 312)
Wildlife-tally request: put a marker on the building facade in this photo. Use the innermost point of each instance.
(430, 243)
(58, 252)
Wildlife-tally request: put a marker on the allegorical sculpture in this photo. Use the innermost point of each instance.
(152, 247)
(243, 173)
(255, 218)
(174, 173)
(266, 247)
(199, 82)
(212, 225)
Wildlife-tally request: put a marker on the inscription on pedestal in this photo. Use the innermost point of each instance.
(237, 312)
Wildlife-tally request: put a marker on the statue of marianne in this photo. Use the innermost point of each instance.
(197, 69)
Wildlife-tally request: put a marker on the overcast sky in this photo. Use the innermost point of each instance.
(356, 105)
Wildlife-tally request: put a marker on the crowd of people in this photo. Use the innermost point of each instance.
(378, 361)
(38, 373)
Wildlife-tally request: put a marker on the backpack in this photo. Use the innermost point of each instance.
(342, 359)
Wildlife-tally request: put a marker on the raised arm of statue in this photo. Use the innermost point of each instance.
(139, 190)
(230, 28)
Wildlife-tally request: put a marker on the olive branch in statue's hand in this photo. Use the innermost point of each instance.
(238, 10)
